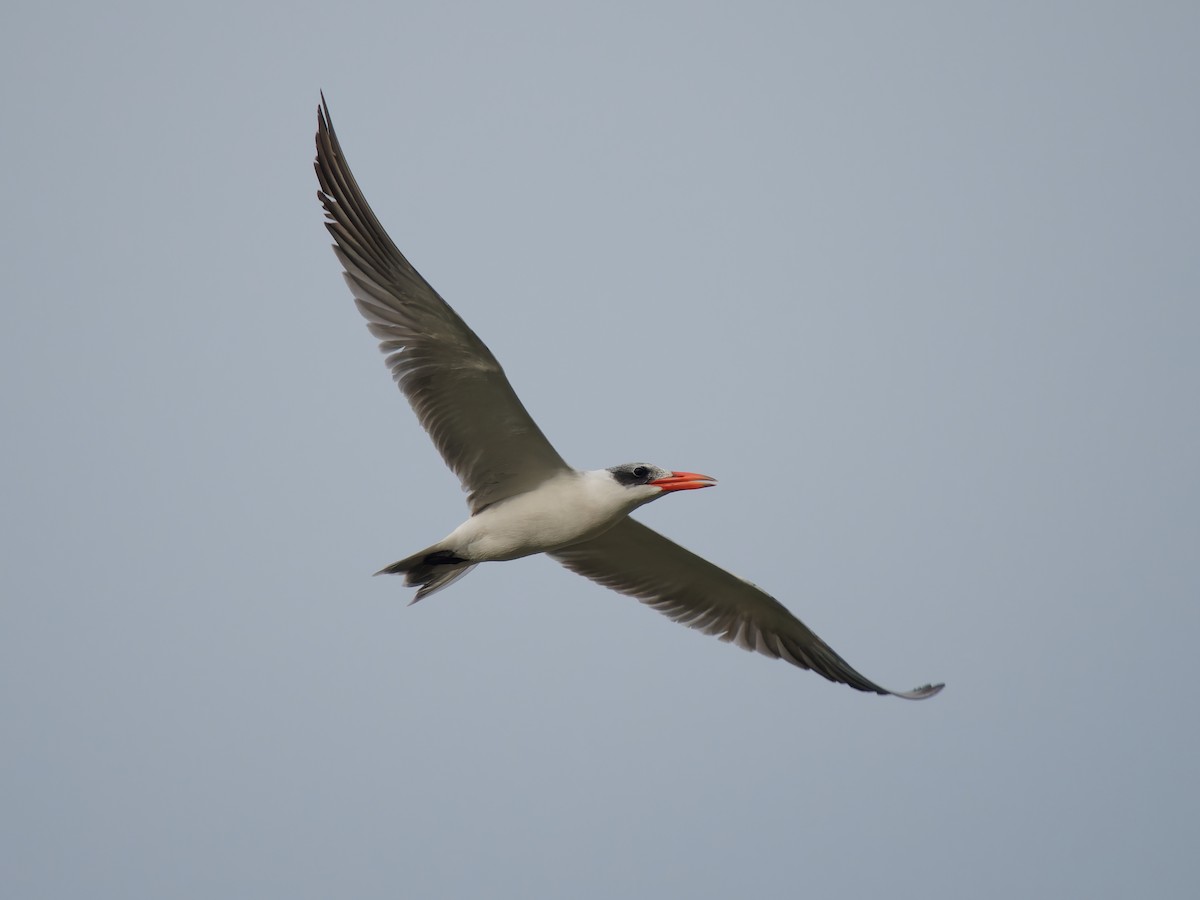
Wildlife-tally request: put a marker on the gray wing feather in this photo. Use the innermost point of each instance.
(634, 560)
(453, 382)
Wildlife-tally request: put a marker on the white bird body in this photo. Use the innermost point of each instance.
(523, 497)
(568, 508)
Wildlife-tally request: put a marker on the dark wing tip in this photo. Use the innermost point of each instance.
(327, 142)
(924, 692)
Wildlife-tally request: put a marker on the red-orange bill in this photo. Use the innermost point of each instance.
(684, 481)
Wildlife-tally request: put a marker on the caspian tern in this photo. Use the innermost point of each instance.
(523, 497)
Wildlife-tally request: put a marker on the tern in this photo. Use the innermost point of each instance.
(523, 497)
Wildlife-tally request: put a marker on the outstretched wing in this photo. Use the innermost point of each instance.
(453, 382)
(634, 560)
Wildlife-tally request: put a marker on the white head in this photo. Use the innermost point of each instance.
(648, 482)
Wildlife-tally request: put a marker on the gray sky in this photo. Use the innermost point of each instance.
(918, 282)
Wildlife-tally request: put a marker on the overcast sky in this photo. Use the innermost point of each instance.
(919, 283)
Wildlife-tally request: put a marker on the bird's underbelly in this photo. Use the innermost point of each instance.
(519, 527)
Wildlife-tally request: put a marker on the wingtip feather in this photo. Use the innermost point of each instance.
(924, 692)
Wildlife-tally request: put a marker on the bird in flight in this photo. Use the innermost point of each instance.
(523, 497)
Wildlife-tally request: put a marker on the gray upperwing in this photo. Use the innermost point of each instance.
(453, 382)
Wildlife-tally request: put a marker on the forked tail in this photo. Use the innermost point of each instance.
(430, 571)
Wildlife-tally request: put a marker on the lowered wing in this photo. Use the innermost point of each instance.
(634, 560)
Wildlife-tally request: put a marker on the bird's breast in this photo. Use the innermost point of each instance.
(562, 511)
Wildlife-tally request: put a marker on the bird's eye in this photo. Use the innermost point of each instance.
(640, 471)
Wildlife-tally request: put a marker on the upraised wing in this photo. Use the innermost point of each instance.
(453, 382)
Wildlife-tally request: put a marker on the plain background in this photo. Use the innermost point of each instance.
(918, 282)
